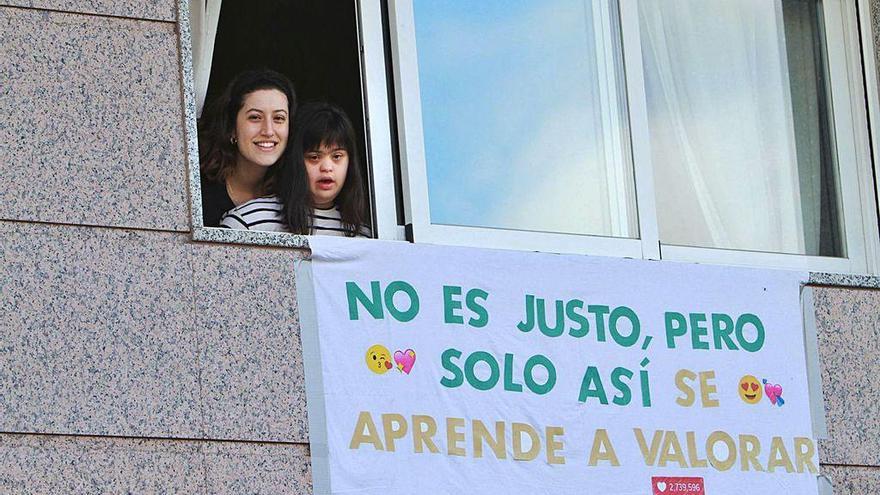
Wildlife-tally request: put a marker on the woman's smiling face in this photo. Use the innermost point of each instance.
(261, 127)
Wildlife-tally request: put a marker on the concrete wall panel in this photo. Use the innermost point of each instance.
(848, 327)
(138, 333)
(91, 130)
(83, 465)
(253, 382)
(851, 480)
(271, 469)
(163, 10)
(32, 464)
(96, 330)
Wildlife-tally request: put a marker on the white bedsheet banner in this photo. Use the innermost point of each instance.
(454, 370)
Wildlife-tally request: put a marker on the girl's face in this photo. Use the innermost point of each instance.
(261, 128)
(326, 168)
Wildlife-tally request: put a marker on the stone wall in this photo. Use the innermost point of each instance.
(131, 358)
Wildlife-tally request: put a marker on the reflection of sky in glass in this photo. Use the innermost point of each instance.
(511, 115)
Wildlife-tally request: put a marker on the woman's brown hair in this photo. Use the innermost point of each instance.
(320, 124)
(217, 150)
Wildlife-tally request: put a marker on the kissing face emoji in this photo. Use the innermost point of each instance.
(379, 359)
(750, 390)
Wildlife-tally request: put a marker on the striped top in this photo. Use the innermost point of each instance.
(264, 214)
(267, 214)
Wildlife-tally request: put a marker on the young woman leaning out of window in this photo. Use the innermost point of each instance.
(243, 138)
(322, 192)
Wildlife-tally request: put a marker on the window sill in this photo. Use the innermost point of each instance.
(277, 239)
(250, 237)
(844, 280)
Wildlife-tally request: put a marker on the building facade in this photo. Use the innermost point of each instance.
(137, 359)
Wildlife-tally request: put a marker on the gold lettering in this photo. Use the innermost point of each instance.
(688, 399)
(517, 429)
(423, 437)
(693, 455)
(803, 454)
(480, 434)
(707, 388)
(365, 432)
(603, 450)
(779, 456)
(554, 445)
(671, 450)
(454, 437)
(649, 455)
(720, 436)
(749, 450)
(393, 433)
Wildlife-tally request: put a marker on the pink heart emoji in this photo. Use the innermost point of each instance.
(405, 360)
(777, 391)
(773, 391)
(768, 391)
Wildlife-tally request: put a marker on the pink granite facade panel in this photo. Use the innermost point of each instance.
(91, 131)
(848, 331)
(160, 10)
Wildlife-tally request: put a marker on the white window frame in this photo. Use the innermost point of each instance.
(871, 93)
(852, 139)
(414, 171)
(378, 120)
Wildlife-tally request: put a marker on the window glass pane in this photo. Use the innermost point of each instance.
(740, 132)
(522, 117)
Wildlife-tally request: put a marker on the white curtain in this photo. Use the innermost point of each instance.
(721, 129)
(203, 17)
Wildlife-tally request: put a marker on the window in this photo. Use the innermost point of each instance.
(315, 44)
(730, 132)
(704, 131)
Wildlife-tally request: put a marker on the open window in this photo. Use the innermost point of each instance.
(316, 44)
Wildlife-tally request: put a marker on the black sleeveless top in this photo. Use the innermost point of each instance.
(215, 202)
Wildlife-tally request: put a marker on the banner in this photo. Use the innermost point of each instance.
(454, 370)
